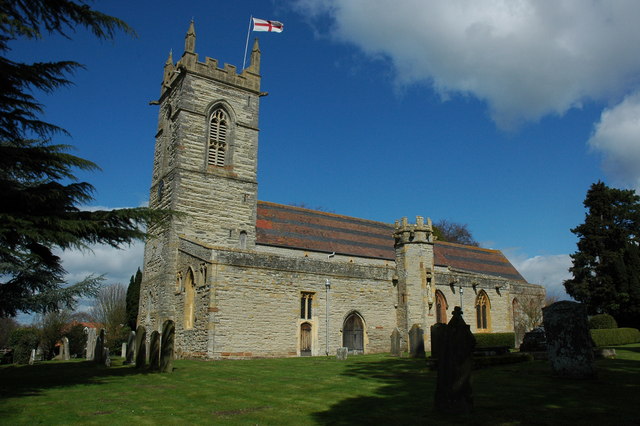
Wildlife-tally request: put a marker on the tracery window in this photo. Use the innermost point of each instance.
(441, 308)
(218, 131)
(306, 302)
(483, 312)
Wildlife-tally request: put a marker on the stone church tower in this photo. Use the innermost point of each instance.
(205, 166)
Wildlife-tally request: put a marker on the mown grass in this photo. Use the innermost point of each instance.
(371, 389)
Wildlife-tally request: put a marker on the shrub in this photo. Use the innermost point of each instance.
(615, 336)
(485, 340)
(22, 341)
(601, 321)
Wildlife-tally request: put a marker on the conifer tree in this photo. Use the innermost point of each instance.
(40, 196)
(133, 298)
(606, 267)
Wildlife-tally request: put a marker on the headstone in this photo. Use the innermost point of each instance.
(131, 348)
(65, 349)
(341, 353)
(154, 351)
(395, 343)
(416, 342)
(568, 340)
(437, 336)
(455, 362)
(534, 341)
(141, 347)
(32, 358)
(123, 350)
(105, 357)
(166, 346)
(91, 343)
(99, 348)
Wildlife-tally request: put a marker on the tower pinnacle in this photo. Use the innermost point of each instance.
(190, 39)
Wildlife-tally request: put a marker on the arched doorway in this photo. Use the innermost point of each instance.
(441, 308)
(353, 333)
(305, 339)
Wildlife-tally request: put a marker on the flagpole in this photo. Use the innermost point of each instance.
(246, 45)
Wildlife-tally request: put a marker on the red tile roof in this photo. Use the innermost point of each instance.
(294, 227)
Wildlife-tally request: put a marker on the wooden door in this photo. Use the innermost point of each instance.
(305, 339)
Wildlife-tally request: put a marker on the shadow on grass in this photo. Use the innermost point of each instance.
(28, 380)
(520, 394)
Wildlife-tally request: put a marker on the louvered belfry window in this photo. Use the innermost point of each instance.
(218, 130)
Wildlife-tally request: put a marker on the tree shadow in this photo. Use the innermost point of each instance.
(27, 380)
(524, 393)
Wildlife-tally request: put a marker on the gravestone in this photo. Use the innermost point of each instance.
(141, 347)
(91, 343)
(166, 346)
(154, 351)
(98, 352)
(105, 357)
(131, 348)
(455, 362)
(395, 343)
(569, 345)
(32, 357)
(437, 336)
(64, 349)
(342, 353)
(416, 342)
(534, 341)
(123, 350)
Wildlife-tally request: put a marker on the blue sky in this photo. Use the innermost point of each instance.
(497, 114)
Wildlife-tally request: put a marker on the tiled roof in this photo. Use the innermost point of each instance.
(294, 227)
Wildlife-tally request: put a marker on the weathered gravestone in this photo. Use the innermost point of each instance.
(416, 342)
(437, 336)
(91, 343)
(166, 346)
(455, 362)
(64, 349)
(141, 347)
(98, 351)
(568, 340)
(123, 350)
(105, 357)
(342, 353)
(154, 351)
(131, 348)
(32, 357)
(396, 342)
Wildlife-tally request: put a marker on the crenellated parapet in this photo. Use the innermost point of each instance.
(248, 79)
(407, 233)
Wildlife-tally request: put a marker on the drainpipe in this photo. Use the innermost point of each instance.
(327, 286)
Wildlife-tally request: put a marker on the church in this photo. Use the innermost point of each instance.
(244, 278)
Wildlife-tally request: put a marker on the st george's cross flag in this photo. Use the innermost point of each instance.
(270, 26)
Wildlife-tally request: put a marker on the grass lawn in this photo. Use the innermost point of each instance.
(368, 389)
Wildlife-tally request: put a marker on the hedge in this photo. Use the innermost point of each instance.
(615, 336)
(487, 340)
(602, 321)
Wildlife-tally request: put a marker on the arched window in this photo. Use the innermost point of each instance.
(189, 301)
(441, 308)
(243, 239)
(218, 131)
(353, 333)
(483, 312)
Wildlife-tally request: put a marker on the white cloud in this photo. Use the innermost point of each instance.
(117, 264)
(617, 137)
(549, 271)
(525, 58)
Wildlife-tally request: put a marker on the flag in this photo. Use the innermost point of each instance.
(270, 26)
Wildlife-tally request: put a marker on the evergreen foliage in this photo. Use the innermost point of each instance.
(39, 191)
(488, 340)
(606, 267)
(615, 336)
(23, 340)
(602, 321)
(133, 299)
